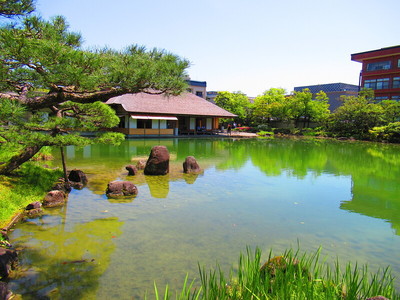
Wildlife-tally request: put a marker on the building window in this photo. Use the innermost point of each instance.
(396, 82)
(143, 123)
(381, 65)
(200, 94)
(382, 83)
(377, 84)
(381, 98)
(397, 98)
(398, 63)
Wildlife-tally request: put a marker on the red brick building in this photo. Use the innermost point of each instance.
(380, 71)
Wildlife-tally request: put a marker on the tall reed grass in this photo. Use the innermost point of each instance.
(289, 276)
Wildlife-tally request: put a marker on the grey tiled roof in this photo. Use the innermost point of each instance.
(184, 104)
(329, 87)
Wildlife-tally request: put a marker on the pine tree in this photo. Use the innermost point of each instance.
(51, 87)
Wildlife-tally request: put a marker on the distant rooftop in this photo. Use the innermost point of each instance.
(197, 83)
(328, 87)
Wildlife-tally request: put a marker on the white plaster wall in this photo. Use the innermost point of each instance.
(192, 123)
(132, 123)
(209, 123)
(163, 124)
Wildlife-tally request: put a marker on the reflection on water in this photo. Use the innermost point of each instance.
(342, 196)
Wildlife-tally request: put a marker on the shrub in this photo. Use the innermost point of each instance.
(265, 134)
(263, 127)
(390, 133)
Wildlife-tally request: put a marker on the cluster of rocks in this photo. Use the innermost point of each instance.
(157, 164)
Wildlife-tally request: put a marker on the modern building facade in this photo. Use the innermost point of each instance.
(199, 88)
(333, 90)
(380, 71)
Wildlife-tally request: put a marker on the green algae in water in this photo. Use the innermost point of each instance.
(341, 196)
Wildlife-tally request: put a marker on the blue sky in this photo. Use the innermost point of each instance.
(242, 45)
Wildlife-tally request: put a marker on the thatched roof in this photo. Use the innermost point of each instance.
(184, 104)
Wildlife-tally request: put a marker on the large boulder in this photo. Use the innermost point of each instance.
(132, 170)
(54, 198)
(117, 189)
(158, 162)
(190, 165)
(8, 261)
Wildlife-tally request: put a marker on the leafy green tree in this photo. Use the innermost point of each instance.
(305, 108)
(356, 117)
(272, 104)
(391, 110)
(43, 68)
(236, 103)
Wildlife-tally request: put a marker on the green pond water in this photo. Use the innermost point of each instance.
(274, 194)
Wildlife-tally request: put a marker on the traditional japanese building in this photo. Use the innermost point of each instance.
(146, 114)
(380, 71)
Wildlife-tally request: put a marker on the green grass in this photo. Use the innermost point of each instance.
(29, 184)
(290, 276)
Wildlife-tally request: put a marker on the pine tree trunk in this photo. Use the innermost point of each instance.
(19, 159)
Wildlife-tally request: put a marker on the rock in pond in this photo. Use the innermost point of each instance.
(54, 198)
(34, 210)
(190, 165)
(141, 164)
(78, 178)
(8, 260)
(158, 162)
(117, 189)
(62, 185)
(132, 170)
(5, 293)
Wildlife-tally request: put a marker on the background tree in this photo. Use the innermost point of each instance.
(236, 103)
(43, 67)
(272, 104)
(356, 117)
(305, 108)
(391, 110)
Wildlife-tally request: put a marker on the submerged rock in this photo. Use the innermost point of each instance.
(121, 189)
(190, 165)
(141, 164)
(54, 198)
(158, 162)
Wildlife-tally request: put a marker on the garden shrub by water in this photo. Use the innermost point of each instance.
(272, 194)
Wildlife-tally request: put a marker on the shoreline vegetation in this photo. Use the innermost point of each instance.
(292, 275)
